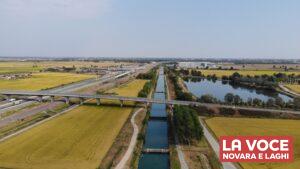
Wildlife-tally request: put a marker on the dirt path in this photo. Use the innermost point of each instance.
(127, 155)
(288, 90)
(183, 163)
(215, 145)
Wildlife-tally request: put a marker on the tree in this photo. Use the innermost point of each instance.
(279, 101)
(229, 97)
(187, 124)
(237, 99)
(297, 102)
(184, 72)
(257, 102)
(236, 75)
(196, 73)
(270, 102)
(225, 78)
(250, 101)
(207, 98)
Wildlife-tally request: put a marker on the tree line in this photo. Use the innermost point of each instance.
(269, 81)
(233, 99)
(151, 75)
(187, 124)
(180, 94)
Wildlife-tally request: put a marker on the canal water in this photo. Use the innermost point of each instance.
(218, 89)
(157, 131)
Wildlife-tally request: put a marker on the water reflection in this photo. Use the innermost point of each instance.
(218, 89)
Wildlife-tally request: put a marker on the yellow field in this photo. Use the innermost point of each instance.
(295, 88)
(222, 126)
(40, 81)
(16, 67)
(78, 139)
(129, 89)
(220, 73)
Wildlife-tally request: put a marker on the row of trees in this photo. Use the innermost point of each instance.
(187, 72)
(262, 80)
(233, 99)
(151, 75)
(180, 94)
(146, 89)
(187, 124)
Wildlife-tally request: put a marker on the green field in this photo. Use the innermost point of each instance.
(222, 126)
(40, 81)
(220, 73)
(78, 139)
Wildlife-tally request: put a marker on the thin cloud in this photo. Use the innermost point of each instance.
(52, 8)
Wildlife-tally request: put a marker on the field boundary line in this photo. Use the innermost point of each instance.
(127, 155)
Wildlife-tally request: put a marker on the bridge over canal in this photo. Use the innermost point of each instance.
(51, 95)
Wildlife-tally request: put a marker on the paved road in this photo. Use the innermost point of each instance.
(129, 152)
(27, 112)
(17, 106)
(215, 145)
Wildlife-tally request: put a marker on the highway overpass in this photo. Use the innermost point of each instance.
(82, 97)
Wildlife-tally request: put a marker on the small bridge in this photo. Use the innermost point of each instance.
(51, 95)
(155, 151)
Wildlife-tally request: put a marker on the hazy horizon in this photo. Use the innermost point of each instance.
(169, 29)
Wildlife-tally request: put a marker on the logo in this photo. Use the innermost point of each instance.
(256, 149)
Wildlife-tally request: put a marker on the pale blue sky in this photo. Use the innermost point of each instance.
(157, 28)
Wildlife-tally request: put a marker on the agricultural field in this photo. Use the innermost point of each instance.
(127, 89)
(78, 139)
(40, 81)
(277, 67)
(251, 126)
(293, 87)
(220, 73)
(22, 66)
(18, 67)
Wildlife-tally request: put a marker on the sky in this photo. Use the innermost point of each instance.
(151, 28)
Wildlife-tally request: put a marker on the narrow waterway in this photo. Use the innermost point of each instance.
(157, 131)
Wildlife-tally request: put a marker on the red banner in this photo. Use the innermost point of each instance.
(256, 149)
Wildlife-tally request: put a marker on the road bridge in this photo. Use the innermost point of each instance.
(81, 97)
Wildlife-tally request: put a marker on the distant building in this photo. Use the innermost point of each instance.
(198, 65)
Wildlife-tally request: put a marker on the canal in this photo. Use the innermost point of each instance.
(157, 131)
(219, 89)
